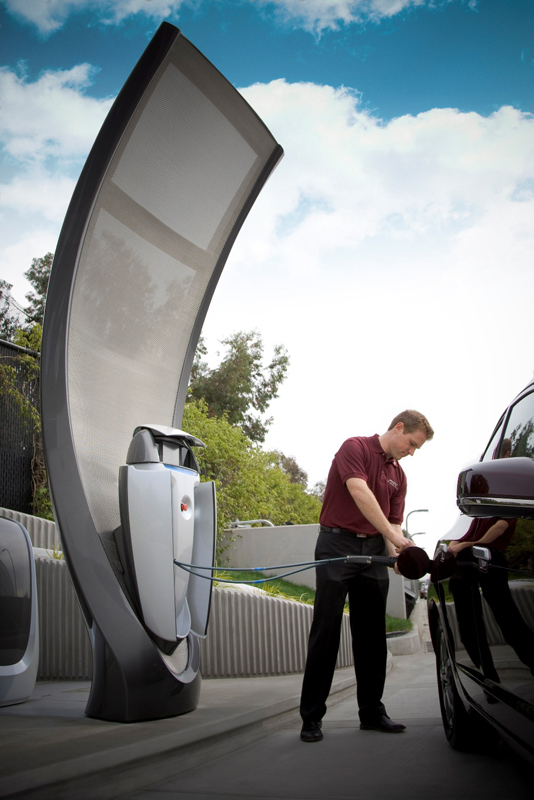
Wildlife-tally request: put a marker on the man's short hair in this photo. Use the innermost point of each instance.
(506, 448)
(413, 421)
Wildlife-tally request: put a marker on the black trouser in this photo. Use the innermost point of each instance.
(367, 589)
(465, 590)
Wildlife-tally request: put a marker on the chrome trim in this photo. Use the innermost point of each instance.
(483, 557)
(497, 501)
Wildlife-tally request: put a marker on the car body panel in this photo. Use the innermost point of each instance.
(485, 610)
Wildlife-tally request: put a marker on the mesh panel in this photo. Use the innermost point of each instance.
(16, 433)
(169, 149)
(177, 663)
(185, 168)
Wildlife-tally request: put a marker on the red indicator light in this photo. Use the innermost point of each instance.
(184, 506)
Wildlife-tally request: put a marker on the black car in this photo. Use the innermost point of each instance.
(482, 617)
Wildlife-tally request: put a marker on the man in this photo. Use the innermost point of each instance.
(362, 513)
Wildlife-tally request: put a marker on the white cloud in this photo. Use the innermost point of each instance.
(50, 15)
(434, 174)
(37, 192)
(47, 128)
(49, 117)
(314, 16)
(319, 15)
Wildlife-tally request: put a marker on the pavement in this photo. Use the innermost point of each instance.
(242, 742)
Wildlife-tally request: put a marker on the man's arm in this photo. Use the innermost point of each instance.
(392, 550)
(493, 533)
(368, 505)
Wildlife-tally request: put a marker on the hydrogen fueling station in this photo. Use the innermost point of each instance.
(172, 175)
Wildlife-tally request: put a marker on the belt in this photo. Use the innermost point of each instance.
(324, 529)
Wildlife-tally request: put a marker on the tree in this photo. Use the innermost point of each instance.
(241, 387)
(250, 484)
(19, 375)
(8, 322)
(19, 381)
(38, 275)
(318, 490)
(520, 551)
(288, 464)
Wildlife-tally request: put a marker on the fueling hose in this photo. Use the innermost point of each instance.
(412, 563)
(302, 567)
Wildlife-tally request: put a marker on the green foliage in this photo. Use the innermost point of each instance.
(241, 387)
(318, 490)
(19, 380)
(280, 587)
(41, 503)
(38, 275)
(289, 465)
(19, 374)
(8, 322)
(30, 338)
(250, 484)
(397, 624)
(10, 325)
(520, 551)
(56, 552)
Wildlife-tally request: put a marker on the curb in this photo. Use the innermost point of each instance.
(405, 645)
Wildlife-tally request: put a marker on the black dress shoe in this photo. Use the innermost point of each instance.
(311, 732)
(383, 724)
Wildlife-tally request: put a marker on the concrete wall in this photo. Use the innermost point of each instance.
(290, 544)
(285, 544)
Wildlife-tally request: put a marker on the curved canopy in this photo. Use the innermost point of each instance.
(173, 173)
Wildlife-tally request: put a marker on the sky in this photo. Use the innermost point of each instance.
(390, 251)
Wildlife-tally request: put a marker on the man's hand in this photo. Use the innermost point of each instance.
(400, 542)
(394, 549)
(457, 547)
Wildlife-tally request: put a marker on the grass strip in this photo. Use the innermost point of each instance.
(280, 587)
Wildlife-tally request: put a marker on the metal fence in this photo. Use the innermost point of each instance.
(42, 532)
(16, 433)
(249, 634)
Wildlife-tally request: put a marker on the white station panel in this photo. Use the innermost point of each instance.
(183, 531)
(161, 508)
(151, 525)
(199, 589)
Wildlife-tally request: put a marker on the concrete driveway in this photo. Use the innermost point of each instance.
(360, 765)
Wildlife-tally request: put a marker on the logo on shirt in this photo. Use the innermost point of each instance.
(392, 482)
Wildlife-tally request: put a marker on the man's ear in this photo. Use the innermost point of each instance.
(399, 427)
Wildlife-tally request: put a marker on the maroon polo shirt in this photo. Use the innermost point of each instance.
(480, 526)
(362, 457)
